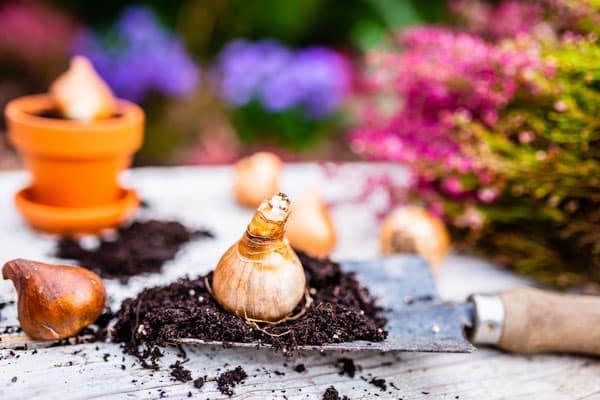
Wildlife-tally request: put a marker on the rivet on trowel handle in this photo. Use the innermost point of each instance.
(488, 318)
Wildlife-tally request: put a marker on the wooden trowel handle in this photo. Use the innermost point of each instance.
(527, 320)
(540, 321)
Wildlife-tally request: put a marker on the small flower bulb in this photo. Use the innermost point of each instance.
(411, 229)
(81, 94)
(310, 227)
(256, 178)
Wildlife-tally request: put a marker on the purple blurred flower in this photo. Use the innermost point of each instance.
(245, 66)
(316, 79)
(145, 57)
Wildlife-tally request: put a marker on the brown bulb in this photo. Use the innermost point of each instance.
(310, 227)
(411, 229)
(256, 178)
(55, 301)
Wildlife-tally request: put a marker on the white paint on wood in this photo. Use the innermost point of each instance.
(201, 197)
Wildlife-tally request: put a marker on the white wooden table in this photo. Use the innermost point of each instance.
(201, 197)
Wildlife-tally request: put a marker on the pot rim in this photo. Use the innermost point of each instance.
(21, 110)
(62, 138)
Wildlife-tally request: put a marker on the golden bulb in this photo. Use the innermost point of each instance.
(260, 277)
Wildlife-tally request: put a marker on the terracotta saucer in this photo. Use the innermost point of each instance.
(71, 220)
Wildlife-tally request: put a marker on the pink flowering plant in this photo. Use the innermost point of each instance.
(500, 133)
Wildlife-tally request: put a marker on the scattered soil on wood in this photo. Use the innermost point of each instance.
(332, 394)
(300, 368)
(137, 248)
(341, 311)
(229, 379)
(4, 304)
(180, 373)
(379, 382)
(346, 366)
(199, 382)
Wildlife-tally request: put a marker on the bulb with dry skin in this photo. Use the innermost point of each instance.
(260, 277)
(256, 178)
(80, 93)
(55, 301)
(310, 227)
(411, 229)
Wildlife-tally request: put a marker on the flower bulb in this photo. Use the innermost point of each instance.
(260, 278)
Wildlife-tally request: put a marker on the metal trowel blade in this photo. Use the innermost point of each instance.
(418, 321)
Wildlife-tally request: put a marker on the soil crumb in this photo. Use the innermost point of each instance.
(5, 303)
(229, 379)
(342, 311)
(137, 248)
(180, 373)
(199, 382)
(332, 394)
(379, 382)
(300, 368)
(346, 366)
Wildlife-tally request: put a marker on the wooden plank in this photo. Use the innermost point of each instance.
(201, 196)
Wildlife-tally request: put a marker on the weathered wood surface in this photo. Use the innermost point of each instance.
(201, 197)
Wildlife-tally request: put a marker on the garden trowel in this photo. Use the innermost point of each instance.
(520, 320)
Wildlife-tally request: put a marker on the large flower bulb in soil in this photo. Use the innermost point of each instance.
(260, 278)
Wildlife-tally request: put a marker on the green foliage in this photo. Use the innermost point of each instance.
(547, 220)
(290, 129)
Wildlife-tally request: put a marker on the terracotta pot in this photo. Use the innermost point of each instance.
(74, 164)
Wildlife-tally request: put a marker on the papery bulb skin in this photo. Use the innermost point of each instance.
(260, 277)
(55, 301)
(411, 229)
(256, 178)
(80, 93)
(310, 226)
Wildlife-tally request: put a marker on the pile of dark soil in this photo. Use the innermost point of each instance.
(342, 311)
(137, 248)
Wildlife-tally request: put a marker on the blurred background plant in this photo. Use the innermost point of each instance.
(283, 96)
(493, 106)
(499, 125)
(168, 56)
